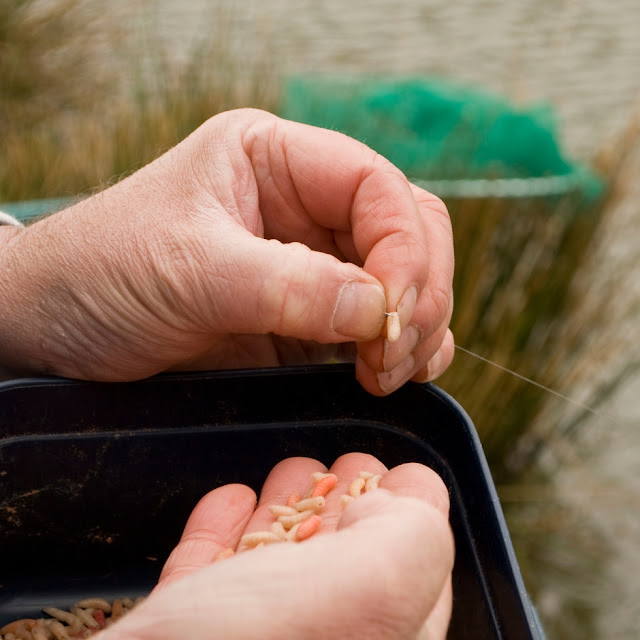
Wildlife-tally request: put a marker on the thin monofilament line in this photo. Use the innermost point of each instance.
(577, 403)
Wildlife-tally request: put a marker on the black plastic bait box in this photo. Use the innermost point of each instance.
(97, 480)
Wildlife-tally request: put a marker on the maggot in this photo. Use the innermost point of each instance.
(393, 326)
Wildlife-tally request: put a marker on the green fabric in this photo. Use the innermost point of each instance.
(30, 209)
(435, 130)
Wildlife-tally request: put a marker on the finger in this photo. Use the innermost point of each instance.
(413, 257)
(346, 247)
(418, 481)
(435, 302)
(329, 587)
(433, 338)
(293, 477)
(408, 359)
(439, 362)
(424, 315)
(289, 477)
(216, 523)
(347, 468)
(437, 624)
(385, 365)
(360, 509)
(384, 355)
(311, 179)
(290, 290)
(427, 359)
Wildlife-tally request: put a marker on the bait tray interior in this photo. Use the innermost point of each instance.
(97, 480)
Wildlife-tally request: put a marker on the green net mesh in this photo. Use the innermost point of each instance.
(438, 132)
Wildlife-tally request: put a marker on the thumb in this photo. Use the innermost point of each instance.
(290, 290)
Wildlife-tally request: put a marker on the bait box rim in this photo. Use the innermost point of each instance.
(88, 435)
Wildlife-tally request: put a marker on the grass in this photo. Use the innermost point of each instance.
(523, 274)
(72, 127)
(70, 124)
(529, 298)
(513, 286)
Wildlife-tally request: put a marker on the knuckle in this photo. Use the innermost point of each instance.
(439, 207)
(283, 295)
(442, 304)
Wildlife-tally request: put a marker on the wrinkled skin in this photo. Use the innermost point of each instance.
(241, 246)
(379, 569)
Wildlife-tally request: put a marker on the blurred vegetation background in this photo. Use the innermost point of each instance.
(84, 102)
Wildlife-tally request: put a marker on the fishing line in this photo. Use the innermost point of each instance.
(577, 403)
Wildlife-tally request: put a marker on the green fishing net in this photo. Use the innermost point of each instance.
(437, 131)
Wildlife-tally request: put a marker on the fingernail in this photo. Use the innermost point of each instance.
(359, 311)
(407, 305)
(390, 380)
(396, 352)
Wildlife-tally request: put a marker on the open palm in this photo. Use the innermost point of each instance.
(381, 568)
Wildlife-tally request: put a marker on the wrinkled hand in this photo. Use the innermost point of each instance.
(252, 242)
(380, 569)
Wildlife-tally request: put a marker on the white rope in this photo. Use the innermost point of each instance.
(5, 218)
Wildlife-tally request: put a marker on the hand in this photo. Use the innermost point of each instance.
(254, 242)
(380, 569)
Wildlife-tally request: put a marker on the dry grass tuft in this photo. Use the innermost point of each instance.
(83, 104)
(520, 284)
(542, 290)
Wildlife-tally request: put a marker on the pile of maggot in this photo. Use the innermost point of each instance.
(295, 521)
(84, 619)
(300, 518)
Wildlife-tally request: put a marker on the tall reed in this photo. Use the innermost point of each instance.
(521, 281)
(537, 294)
(111, 100)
